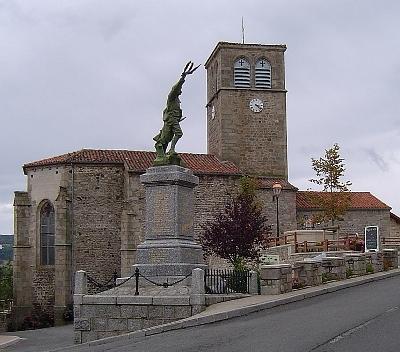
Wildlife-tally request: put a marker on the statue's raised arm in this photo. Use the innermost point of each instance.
(172, 116)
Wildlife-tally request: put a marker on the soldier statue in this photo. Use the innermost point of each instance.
(172, 116)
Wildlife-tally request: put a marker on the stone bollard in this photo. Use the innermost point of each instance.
(80, 283)
(276, 279)
(355, 264)
(310, 272)
(253, 284)
(334, 268)
(81, 289)
(390, 259)
(197, 296)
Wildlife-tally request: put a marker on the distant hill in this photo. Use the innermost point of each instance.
(6, 248)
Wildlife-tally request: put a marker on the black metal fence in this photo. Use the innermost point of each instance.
(218, 281)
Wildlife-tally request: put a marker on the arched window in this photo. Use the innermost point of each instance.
(47, 232)
(241, 73)
(263, 74)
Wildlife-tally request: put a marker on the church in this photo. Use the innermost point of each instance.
(85, 210)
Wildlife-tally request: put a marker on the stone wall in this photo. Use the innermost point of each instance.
(97, 209)
(44, 292)
(394, 228)
(354, 221)
(99, 317)
(132, 221)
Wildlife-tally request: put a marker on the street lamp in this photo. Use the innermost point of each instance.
(276, 189)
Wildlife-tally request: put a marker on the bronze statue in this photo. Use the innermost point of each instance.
(172, 116)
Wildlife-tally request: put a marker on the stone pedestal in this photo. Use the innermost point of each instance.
(169, 251)
(355, 264)
(276, 279)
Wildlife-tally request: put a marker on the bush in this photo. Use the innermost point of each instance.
(369, 268)
(38, 320)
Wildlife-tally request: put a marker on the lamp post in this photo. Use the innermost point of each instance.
(276, 189)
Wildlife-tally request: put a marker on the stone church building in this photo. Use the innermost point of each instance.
(85, 210)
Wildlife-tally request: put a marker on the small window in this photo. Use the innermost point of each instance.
(47, 232)
(242, 73)
(263, 74)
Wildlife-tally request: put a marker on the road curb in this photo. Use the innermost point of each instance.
(204, 318)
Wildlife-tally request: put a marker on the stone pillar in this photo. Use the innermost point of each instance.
(169, 251)
(309, 272)
(197, 297)
(390, 259)
(375, 259)
(62, 275)
(23, 254)
(253, 286)
(355, 264)
(80, 324)
(276, 279)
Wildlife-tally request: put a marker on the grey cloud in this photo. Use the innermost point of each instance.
(377, 159)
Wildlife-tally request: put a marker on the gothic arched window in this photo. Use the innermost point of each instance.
(263, 74)
(47, 232)
(241, 73)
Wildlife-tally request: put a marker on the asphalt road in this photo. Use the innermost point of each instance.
(363, 318)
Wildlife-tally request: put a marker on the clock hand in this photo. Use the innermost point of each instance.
(259, 106)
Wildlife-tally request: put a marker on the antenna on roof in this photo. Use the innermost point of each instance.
(242, 31)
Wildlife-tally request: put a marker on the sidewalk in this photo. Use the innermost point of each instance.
(58, 338)
(8, 340)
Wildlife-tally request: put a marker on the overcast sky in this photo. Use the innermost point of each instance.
(95, 74)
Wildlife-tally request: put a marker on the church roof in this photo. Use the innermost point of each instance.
(358, 200)
(137, 161)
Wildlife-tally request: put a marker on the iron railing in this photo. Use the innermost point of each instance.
(218, 281)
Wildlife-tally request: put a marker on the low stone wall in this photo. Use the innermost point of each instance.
(103, 316)
(281, 278)
(390, 259)
(276, 279)
(119, 311)
(307, 273)
(355, 264)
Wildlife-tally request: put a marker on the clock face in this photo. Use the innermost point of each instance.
(213, 112)
(256, 105)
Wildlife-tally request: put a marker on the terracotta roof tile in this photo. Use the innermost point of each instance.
(137, 161)
(358, 200)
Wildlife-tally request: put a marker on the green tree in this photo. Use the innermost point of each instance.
(237, 233)
(334, 199)
(6, 282)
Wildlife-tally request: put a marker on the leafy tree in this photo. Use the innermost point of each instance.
(334, 199)
(6, 282)
(238, 231)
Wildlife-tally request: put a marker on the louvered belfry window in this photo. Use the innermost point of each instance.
(263, 74)
(47, 234)
(242, 73)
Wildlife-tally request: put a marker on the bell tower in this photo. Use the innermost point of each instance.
(246, 107)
